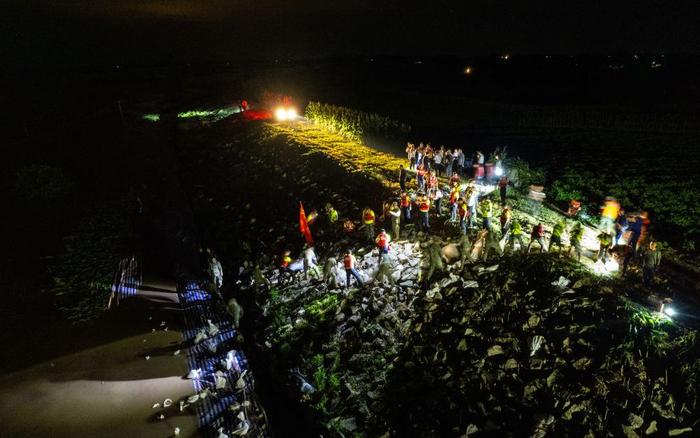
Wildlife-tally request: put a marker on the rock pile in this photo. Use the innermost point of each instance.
(530, 346)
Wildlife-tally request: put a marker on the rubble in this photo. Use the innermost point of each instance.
(461, 355)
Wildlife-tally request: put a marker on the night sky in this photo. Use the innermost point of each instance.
(153, 31)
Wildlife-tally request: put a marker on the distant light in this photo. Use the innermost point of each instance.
(505, 57)
(499, 171)
(669, 311)
(468, 70)
(283, 114)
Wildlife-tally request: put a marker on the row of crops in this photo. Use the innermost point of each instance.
(352, 123)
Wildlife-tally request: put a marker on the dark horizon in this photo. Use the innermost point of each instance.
(155, 32)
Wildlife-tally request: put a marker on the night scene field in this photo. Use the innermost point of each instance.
(349, 220)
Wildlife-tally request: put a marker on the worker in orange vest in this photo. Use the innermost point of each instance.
(420, 177)
(406, 207)
(424, 209)
(368, 220)
(432, 181)
(382, 242)
(350, 264)
(574, 207)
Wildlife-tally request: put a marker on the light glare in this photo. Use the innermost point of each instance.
(281, 114)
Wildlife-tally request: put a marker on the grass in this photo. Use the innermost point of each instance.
(352, 155)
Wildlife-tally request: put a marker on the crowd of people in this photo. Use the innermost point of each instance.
(437, 196)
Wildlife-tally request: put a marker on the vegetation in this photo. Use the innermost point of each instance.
(523, 176)
(213, 115)
(674, 203)
(353, 124)
(84, 272)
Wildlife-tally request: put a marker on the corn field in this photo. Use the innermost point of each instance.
(353, 124)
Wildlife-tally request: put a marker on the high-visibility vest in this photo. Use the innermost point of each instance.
(485, 209)
(577, 234)
(382, 240)
(368, 217)
(611, 210)
(286, 260)
(348, 262)
(516, 229)
(333, 215)
(424, 206)
(558, 230)
(454, 194)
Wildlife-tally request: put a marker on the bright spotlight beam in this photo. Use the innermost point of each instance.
(281, 114)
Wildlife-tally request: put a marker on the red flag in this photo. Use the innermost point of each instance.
(304, 225)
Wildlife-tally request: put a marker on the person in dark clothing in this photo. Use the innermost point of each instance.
(402, 178)
(503, 189)
(636, 228)
(650, 263)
